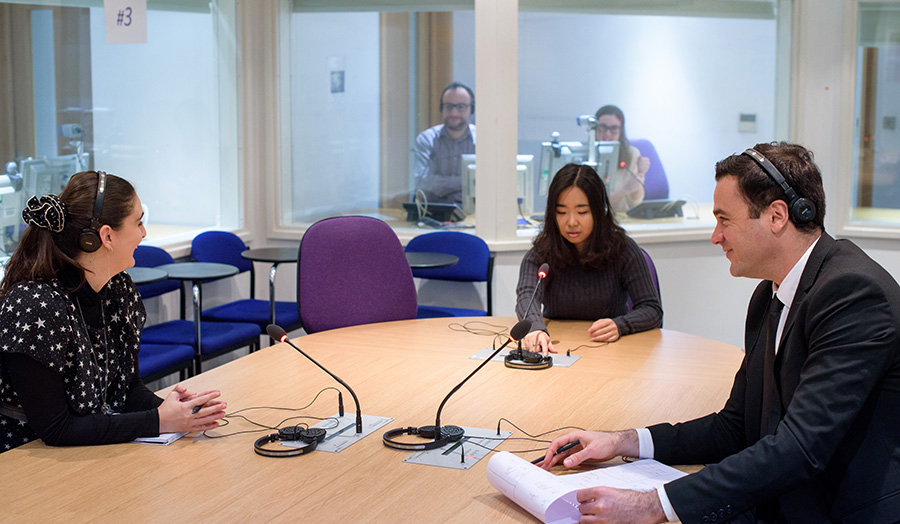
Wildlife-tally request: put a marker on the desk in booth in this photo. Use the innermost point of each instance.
(398, 369)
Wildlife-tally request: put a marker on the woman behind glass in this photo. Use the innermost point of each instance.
(70, 327)
(594, 266)
(627, 189)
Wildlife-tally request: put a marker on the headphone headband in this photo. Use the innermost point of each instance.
(448, 434)
(311, 437)
(89, 238)
(98, 201)
(802, 210)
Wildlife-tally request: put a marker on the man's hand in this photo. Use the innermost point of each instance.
(607, 505)
(592, 445)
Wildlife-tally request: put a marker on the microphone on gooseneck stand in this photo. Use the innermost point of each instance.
(523, 359)
(441, 435)
(278, 334)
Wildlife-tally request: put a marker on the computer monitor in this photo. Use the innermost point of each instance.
(524, 184)
(49, 175)
(554, 155)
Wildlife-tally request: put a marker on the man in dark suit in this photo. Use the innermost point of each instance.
(811, 431)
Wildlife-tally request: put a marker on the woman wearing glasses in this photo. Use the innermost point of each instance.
(627, 190)
(70, 326)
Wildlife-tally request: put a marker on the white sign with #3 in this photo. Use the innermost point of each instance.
(126, 21)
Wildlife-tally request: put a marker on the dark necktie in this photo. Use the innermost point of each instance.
(770, 415)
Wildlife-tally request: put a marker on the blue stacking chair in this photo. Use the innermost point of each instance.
(476, 264)
(225, 248)
(216, 337)
(159, 360)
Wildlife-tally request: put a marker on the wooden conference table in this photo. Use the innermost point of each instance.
(398, 369)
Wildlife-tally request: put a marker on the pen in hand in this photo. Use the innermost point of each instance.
(562, 449)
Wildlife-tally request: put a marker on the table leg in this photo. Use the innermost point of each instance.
(272, 295)
(196, 299)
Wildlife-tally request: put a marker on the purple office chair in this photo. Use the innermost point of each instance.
(352, 270)
(653, 277)
(656, 185)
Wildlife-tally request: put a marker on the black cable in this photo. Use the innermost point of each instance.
(468, 327)
(237, 414)
(539, 434)
(589, 346)
(530, 437)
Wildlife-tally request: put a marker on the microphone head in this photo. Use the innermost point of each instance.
(276, 332)
(520, 330)
(543, 270)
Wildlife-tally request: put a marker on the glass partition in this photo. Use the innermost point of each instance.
(875, 196)
(161, 114)
(373, 128)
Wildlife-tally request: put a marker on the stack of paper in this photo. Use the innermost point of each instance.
(551, 498)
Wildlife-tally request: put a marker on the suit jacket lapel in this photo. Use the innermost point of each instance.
(807, 279)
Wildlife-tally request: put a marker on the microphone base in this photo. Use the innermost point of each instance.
(519, 359)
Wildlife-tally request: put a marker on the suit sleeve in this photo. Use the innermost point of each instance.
(849, 330)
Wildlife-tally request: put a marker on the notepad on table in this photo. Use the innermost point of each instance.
(164, 438)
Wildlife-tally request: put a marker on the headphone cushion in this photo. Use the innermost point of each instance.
(803, 211)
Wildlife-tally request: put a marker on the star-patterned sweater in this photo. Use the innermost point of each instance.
(66, 357)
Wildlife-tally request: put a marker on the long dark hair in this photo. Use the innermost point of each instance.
(606, 240)
(42, 254)
(624, 144)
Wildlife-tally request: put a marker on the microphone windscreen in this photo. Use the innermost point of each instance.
(276, 332)
(543, 270)
(520, 329)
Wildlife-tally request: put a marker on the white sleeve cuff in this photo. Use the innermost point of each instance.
(666, 505)
(645, 443)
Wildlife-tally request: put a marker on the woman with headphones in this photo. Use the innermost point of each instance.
(627, 190)
(594, 266)
(70, 326)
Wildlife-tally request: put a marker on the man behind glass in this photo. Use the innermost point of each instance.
(438, 168)
(811, 430)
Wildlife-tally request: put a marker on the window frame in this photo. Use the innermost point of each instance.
(844, 205)
(496, 82)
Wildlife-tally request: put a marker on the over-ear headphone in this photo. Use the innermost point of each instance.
(311, 437)
(457, 85)
(802, 210)
(89, 238)
(448, 434)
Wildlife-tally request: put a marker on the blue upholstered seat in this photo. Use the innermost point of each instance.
(215, 337)
(159, 360)
(225, 247)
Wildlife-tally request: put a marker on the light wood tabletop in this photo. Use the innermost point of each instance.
(398, 369)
